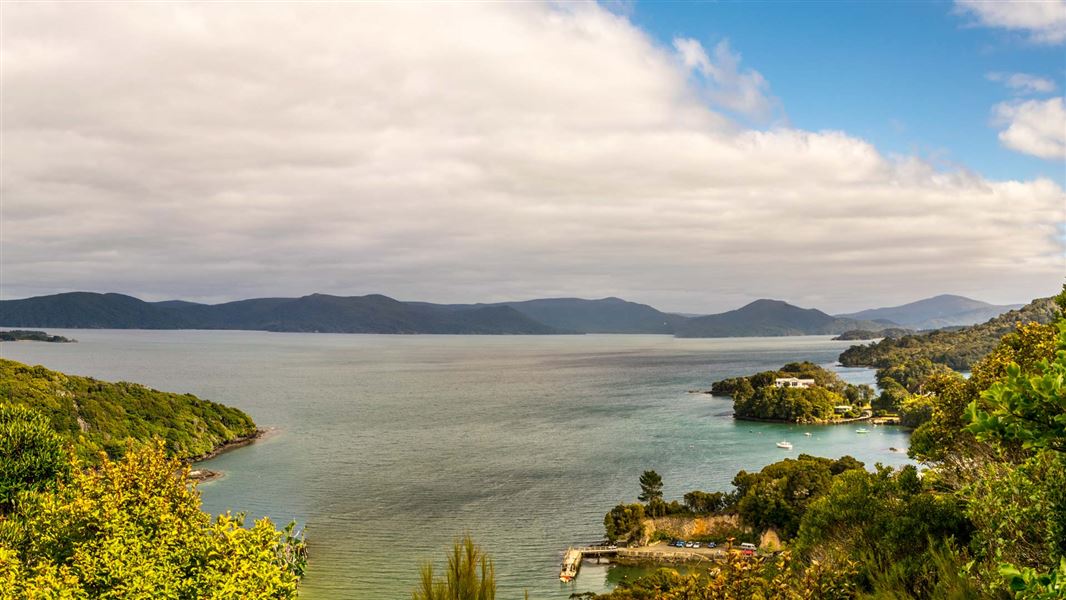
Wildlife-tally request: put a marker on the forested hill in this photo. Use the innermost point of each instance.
(604, 315)
(314, 313)
(958, 349)
(98, 415)
(770, 318)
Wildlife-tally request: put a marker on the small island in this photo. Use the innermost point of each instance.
(26, 335)
(799, 392)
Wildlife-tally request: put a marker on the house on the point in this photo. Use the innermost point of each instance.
(793, 382)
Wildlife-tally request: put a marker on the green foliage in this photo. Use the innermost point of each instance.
(945, 576)
(702, 503)
(96, 415)
(1028, 584)
(742, 578)
(1018, 510)
(651, 486)
(622, 523)
(916, 410)
(133, 528)
(911, 373)
(31, 454)
(891, 398)
(885, 517)
(1027, 407)
(1021, 508)
(941, 419)
(734, 387)
(470, 575)
(778, 496)
(797, 405)
(958, 349)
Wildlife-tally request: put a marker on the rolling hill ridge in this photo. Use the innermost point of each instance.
(375, 313)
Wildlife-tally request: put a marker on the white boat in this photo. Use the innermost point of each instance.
(862, 430)
(785, 445)
(808, 434)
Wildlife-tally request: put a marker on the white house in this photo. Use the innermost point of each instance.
(793, 382)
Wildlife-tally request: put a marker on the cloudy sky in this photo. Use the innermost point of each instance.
(694, 157)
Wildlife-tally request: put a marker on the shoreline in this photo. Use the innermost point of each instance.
(238, 442)
(204, 475)
(787, 422)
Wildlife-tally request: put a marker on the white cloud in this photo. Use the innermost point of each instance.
(1023, 83)
(1043, 21)
(459, 152)
(1036, 127)
(744, 92)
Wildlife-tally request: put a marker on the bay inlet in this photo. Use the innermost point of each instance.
(388, 447)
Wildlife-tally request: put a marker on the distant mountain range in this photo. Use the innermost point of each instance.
(934, 313)
(314, 313)
(380, 314)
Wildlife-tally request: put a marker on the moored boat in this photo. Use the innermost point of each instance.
(785, 445)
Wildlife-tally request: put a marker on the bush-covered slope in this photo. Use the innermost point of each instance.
(958, 349)
(98, 415)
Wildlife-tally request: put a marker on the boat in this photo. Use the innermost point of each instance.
(861, 430)
(785, 445)
(808, 434)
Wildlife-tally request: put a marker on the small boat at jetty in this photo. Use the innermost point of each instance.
(785, 445)
(862, 430)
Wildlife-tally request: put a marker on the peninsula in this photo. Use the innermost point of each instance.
(798, 392)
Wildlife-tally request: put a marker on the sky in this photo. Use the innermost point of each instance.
(692, 156)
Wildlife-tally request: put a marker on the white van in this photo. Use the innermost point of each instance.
(747, 546)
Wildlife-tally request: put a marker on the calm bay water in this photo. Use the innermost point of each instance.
(388, 447)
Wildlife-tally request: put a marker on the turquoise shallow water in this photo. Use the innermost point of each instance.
(390, 446)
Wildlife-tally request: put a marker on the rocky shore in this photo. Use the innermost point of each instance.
(202, 475)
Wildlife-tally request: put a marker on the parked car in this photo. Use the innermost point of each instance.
(680, 543)
(688, 544)
(711, 544)
(747, 546)
(695, 544)
(748, 552)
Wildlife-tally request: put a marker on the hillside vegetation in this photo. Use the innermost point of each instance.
(958, 349)
(97, 415)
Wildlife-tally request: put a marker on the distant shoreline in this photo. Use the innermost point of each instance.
(820, 422)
